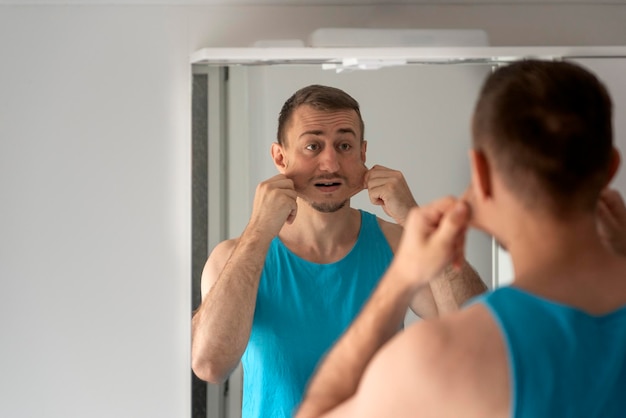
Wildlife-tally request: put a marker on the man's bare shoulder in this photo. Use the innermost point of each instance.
(224, 249)
(462, 357)
(453, 366)
(216, 262)
(392, 232)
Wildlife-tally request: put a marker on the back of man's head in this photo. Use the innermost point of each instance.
(319, 97)
(546, 128)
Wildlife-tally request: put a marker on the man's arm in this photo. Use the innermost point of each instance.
(453, 367)
(454, 287)
(221, 325)
(612, 220)
(431, 241)
(447, 293)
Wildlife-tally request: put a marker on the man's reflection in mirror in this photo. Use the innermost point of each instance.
(277, 297)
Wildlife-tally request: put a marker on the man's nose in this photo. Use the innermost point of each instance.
(329, 160)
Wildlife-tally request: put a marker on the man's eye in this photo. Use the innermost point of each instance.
(345, 147)
(312, 147)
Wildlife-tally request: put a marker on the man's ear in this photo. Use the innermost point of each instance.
(363, 150)
(481, 174)
(616, 159)
(279, 158)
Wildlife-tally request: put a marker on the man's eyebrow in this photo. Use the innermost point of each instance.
(318, 132)
(346, 131)
(312, 132)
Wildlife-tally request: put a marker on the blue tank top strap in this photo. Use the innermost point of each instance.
(563, 361)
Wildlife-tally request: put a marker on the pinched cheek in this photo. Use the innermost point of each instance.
(360, 171)
(299, 180)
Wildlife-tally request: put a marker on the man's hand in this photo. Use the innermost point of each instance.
(611, 214)
(433, 237)
(274, 204)
(389, 189)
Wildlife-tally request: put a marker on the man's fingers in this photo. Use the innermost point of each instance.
(427, 218)
(379, 176)
(612, 196)
(612, 200)
(434, 211)
(606, 215)
(275, 198)
(292, 215)
(454, 224)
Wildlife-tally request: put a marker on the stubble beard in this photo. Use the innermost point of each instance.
(327, 207)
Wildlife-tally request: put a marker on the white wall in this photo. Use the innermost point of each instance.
(95, 213)
(94, 178)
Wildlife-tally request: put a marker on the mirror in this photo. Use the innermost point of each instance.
(416, 118)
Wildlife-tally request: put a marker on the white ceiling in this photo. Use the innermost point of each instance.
(301, 2)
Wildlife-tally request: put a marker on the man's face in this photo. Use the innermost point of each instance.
(324, 156)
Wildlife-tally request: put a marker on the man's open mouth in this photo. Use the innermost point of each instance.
(327, 184)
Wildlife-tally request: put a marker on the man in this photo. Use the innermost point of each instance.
(279, 296)
(550, 345)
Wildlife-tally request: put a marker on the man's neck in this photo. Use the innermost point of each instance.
(552, 245)
(567, 262)
(322, 237)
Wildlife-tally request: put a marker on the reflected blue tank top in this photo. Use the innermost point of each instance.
(301, 310)
(563, 362)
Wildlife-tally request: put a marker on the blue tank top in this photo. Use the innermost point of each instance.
(563, 362)
(301, 310)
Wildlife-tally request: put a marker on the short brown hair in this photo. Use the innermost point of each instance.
(547, 128)
(320, 98)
